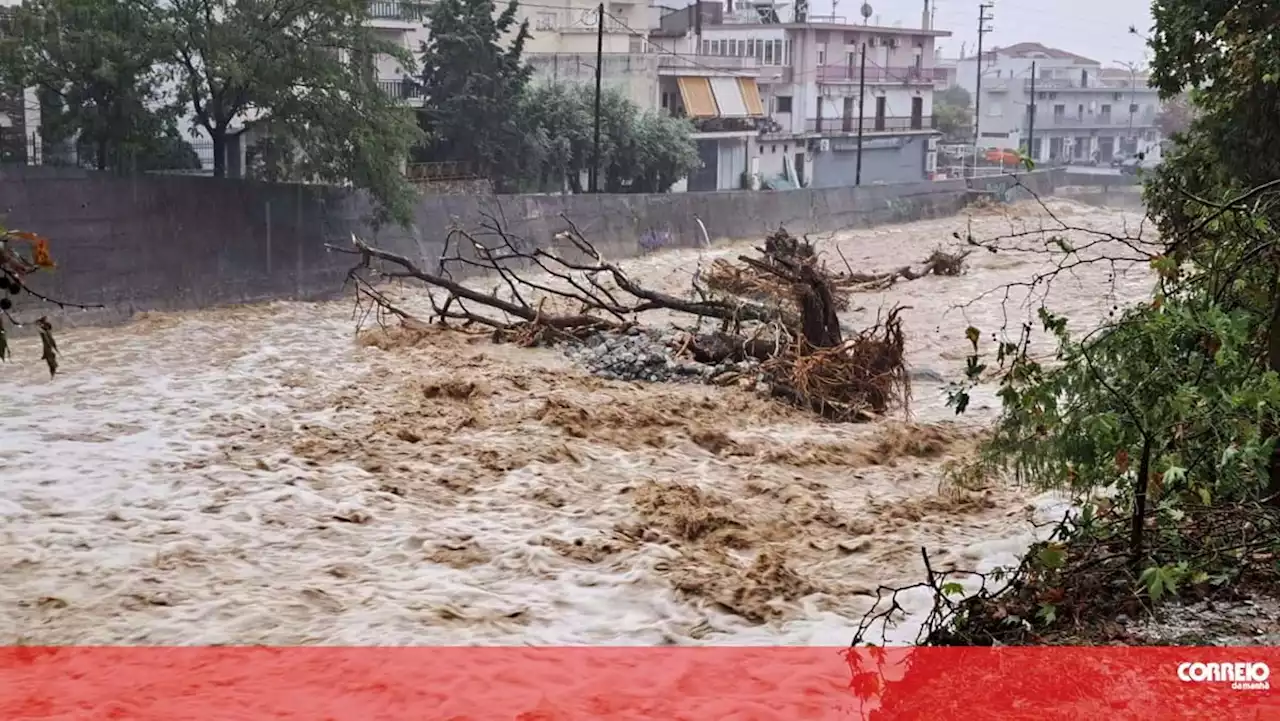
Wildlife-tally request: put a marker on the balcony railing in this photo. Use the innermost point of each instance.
(878, 124)
(400, 88)
(1111, 86)
(906, 74)
(1115, 119)
(703, 62)
(394, 10)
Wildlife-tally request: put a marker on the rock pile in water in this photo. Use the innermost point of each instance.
(650, 355)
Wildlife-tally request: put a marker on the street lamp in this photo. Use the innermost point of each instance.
(1133, 81)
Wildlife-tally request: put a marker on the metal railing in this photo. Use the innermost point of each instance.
(1113, 120)
(851, 74)
(400, 88)
(877, 124)
(1075, 84)
(447, 170)
(395, 10)
(726, 62)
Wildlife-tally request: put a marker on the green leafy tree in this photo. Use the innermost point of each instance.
(306, 67)
(953, 112)
(97, 67)
(1178, 398)
(640, 152)
(472, 80)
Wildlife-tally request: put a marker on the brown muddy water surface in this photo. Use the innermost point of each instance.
(258, 475)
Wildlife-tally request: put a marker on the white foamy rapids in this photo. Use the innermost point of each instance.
(253, 475)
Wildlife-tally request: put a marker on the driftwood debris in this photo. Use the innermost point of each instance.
(780, 307)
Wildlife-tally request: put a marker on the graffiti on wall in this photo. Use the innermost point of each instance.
(655, 239)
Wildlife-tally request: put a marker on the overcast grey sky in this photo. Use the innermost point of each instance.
(1097, 29)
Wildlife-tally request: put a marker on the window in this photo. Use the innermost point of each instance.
(822, 56)
(1133, 108)
(768, 53)
(545, 21)
(777, 52)
(783, 104)
(706, 47)
(917, 113)
(1080, 111)
(751, 48)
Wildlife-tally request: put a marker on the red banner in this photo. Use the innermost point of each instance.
(562, 684)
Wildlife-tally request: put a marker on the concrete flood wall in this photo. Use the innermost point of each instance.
(177, 243)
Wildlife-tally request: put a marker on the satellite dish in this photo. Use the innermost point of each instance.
(866, 11)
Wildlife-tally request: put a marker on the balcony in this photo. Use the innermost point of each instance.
(702, 64)
(735, 125)
(1075, 84)
(906, 75)
(1113, 120)
(395, 15)
(401, 89)
(906, 124)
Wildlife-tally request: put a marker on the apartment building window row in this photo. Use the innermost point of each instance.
(768, 52)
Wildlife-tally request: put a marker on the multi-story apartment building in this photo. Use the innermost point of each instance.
(758, 78)
(1084, 113)
(561, 48)
(402, 22)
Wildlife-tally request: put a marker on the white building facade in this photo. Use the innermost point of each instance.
(1084, 113)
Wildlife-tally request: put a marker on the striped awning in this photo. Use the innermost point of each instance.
(699, 101)
(751, 97)
(721, 97)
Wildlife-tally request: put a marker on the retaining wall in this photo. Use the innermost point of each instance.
(175, 242)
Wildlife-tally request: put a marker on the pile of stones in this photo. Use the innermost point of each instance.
(649, 354)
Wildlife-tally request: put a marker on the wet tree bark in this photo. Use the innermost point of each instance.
(1140, 503)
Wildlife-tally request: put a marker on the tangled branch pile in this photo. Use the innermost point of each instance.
(779, 308)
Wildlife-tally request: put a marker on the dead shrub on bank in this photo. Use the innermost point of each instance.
(780, 307)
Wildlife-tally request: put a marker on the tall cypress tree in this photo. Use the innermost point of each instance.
(472, 81)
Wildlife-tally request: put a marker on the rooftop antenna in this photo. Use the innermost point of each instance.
(866, 13)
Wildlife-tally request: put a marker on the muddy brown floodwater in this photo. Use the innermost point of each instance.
(259, 475)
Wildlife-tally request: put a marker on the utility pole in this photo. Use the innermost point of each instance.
(594, 177)
(983, 18)
(862, 96)
(697, 27)
(1133, 83)
(1031, 116)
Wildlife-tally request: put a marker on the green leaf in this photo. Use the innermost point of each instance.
(1206, 497)
(1051, 558)
(1048, 613)
(952, 589)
